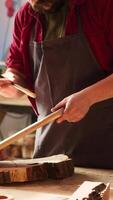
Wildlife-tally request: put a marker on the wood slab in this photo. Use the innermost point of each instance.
(55, 167)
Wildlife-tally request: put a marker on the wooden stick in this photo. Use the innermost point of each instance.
(29, 129)
(24, 90)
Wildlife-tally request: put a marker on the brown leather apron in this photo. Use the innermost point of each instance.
(61, 67)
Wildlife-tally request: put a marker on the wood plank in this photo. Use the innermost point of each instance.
(55, 167)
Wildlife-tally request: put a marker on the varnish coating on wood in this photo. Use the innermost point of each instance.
(55, 167)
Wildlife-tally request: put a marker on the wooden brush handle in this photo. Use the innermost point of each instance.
(29, 129)
(24, 90)
(20, 88)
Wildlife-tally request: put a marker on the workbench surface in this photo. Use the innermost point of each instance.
(57, 189)
(22, 101)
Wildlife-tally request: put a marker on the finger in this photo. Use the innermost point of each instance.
(61, 119)
(64, 117)
(69, 112)
(4, 82)
(72, 120)
(65, 112)
(75, 117)
(58, 106)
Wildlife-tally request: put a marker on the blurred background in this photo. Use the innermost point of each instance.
(8, 10)
(14, 114)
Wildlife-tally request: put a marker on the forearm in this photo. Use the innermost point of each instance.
(100, 91)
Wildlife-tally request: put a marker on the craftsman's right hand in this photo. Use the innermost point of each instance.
(76, 106)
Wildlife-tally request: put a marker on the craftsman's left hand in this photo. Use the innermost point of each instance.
(75, 106)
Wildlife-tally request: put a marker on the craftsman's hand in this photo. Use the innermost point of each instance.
(75, 107)
(78, 104)
(6, 87)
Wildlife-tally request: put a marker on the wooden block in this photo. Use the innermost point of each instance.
(87, 189)
(58, 166)
(23, 173)
(60, 170)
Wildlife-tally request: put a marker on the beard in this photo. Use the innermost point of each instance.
(47, 6)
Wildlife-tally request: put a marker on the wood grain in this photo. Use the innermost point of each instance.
(57, 167)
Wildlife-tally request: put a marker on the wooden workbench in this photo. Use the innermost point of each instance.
(19, 105)
(21, 101)
(57, 189)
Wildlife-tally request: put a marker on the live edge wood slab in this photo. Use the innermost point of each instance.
(54, 167)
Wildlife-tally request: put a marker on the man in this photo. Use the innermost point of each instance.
(63, 49)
